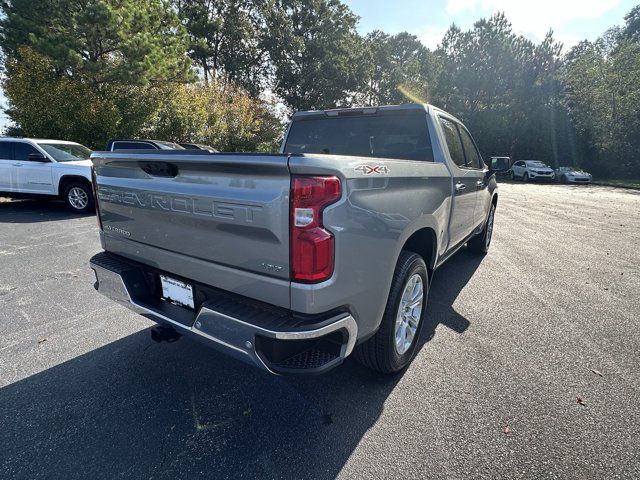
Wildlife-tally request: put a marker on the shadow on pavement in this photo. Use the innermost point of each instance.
(34, 211)
(136, 409)
(446, 285)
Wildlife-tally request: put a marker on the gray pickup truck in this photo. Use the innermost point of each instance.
(293, 261)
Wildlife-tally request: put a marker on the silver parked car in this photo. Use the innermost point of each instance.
(531, 170)
(572, 175)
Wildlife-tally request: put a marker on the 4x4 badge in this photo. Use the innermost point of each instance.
(372, 169)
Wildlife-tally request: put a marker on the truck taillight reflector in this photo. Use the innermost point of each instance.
(312, 246)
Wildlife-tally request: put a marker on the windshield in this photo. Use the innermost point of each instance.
(382, 136)
(66, 152)
(538, 164)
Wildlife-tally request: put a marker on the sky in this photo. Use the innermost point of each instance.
(571, 20)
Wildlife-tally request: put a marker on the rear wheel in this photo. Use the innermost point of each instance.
(481, 242)
(395, 343)
(79, 197)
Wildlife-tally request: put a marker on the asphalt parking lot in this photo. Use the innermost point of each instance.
(529, 367)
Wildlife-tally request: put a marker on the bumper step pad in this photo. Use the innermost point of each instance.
(308, 360)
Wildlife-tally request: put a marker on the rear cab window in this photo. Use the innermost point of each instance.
(396, 135)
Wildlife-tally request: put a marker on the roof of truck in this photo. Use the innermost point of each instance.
(374, 110)
(337, 112)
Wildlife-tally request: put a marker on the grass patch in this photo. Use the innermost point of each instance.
(618, 183)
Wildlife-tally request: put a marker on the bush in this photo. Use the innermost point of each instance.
(221, 115)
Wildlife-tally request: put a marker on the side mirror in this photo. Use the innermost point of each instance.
(37, 157)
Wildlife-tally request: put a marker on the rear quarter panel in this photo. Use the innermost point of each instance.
(376, 215)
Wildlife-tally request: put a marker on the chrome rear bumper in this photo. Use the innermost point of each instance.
(119, 281)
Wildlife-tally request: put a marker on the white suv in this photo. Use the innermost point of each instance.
(46, 168)
(531, 170)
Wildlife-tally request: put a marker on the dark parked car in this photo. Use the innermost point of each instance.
(198, 146)
(113, 145)
(501, 166)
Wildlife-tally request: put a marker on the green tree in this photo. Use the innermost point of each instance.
(400, 69)
(632, 24)
(603, 95)
(316, 53)
(228, 39)
(102, 41)
(504, 87)
(87, 70)
(44, 104)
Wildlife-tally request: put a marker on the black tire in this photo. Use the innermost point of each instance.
(72, 191)
(563, 179)
(479, 243)
(379, 353)
(511, 175)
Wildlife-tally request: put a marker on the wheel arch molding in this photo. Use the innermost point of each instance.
(67, 179)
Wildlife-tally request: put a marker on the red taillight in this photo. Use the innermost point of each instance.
(94, 189)
(312, 246)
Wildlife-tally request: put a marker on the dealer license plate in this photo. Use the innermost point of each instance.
(177, 292)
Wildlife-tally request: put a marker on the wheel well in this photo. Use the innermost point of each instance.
(494, 200)
(424, 243)
(67, 179)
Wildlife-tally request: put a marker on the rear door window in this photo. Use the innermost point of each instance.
(23, 150)
(6, 150)
(397, 136)
(454, 143)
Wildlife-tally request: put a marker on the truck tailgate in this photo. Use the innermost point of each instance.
(227, 209)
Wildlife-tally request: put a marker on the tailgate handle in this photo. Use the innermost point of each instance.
(159, 169)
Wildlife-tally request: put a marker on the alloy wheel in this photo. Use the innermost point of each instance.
(78, 198)
(409, 313)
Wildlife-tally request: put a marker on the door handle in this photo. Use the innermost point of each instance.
(460, 187)
(480, 184)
